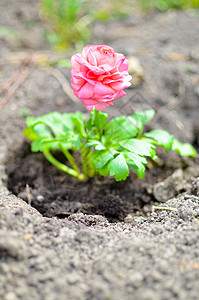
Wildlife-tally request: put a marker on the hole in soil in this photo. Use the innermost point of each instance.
(56, 194)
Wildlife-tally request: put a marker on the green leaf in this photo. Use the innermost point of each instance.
(140, 172)
(136, 162)
(119, 168)
(100, 120)
(99, 123)
(68, 142)
(120, 128)
(97, 144)
(54, 123)
(139, 147)
(79, 124)
(60, 123)
(38, 130)
(68, 119)
(104, 170)
(161, 138)
(183, 149)
(50, 129)
(96, 125)
(36, 146)
(142, 117)
(29, 133)
(101, 157)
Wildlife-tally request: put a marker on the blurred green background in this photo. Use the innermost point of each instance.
(68, 23)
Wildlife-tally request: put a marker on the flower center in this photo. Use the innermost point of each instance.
(107, 51)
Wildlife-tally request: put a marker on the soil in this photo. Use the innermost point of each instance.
(64, 239)
(54, 193)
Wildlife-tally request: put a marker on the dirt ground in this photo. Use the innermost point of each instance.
(100, 239)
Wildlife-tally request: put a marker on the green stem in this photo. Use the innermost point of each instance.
(61, 166)
(140, 131)
(69, 157)
(91, 168)
(99, 130)
(87, 166)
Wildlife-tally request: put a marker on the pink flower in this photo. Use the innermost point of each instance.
(99, 75)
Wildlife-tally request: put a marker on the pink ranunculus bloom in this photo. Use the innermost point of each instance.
(99, 75)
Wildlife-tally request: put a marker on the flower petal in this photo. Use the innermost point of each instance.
(86, 91)
(102, 89)
(120, 62)
(124, 66)
(85, 51)
(120, 85)
(91, 58)
(75, 64)
(83, 75)
(102, 106)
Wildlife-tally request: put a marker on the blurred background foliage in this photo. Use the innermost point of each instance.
(68, 22)
(164, 5)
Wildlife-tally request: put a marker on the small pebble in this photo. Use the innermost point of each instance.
(40, 198)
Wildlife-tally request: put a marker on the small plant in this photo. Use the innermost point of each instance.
(164, 5)
(68, 21)
(99, 75)
(10, 34)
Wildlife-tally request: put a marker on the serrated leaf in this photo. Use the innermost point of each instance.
(140, 172)
(139, 147)
(136, 162)
(119, 168)
(57, 123)
(161, 137)
(104, 170)
(120, 128)
(51, 124)
(54, 128)
(142, 117)
(101, 157)
(40, 129)
(183, 149)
